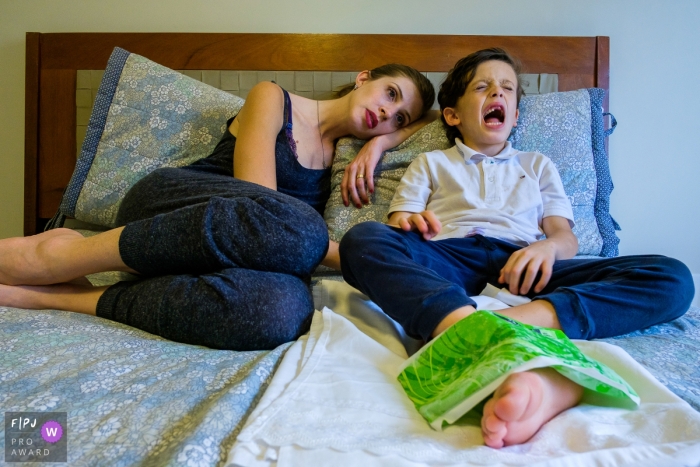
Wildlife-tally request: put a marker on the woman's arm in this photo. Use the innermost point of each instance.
(256, 127)
(356, 189)
(332, 259)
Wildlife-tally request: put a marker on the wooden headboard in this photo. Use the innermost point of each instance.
(53, 60)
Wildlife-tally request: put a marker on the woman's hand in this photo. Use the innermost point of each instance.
(358, 179)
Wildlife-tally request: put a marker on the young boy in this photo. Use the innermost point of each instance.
(496, 215)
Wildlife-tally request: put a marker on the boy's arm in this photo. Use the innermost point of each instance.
(524, 265)
(407, 210)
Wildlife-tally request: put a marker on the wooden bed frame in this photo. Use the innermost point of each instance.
(53, 59)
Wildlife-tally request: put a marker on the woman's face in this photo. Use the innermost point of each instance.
(384, 105)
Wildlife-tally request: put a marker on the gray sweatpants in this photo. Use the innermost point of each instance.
(224, 263)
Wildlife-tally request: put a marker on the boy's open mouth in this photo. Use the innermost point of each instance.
(494, 116)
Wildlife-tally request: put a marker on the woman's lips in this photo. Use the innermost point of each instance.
(371, 119)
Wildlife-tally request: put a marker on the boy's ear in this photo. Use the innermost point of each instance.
(361, 78)
(451, 117)
(517, 115)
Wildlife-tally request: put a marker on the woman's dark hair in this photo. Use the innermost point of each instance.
(459, 77)
(392, 70)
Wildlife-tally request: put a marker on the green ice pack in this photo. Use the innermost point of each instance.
(467, 362)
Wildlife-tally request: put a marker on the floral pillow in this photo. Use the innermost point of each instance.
(568, 128)
(145, 116)
(565, 126)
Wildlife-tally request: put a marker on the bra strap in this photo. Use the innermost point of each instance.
(288, 122)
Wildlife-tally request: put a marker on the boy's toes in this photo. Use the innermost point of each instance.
(493, 429)
(495, 442)
(511, 403)
(493, 424)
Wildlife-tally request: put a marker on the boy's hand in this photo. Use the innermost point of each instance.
(424, 222)
(523, 266)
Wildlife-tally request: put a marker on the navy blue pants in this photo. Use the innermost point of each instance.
(224, 263)
(418, 282)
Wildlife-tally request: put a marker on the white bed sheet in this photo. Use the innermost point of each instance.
(335, 400)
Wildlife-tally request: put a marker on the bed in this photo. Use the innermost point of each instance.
(131, 398)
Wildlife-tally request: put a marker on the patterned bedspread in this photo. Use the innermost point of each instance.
(135, 399)
(670, 352)
(132, 398)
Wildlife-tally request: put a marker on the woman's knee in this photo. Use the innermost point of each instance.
(272, 233)
(302, 233)
(142, 200)
(276, 309)
(289, 309)
(240, 310)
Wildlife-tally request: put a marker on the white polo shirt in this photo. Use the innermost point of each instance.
(505, 196)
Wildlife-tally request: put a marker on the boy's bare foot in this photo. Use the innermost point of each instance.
(523, 403)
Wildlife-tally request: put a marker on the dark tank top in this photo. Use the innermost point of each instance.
(312, 186)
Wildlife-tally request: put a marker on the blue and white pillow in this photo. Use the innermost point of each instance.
(568, 128)
(145, 116)
(565, 126)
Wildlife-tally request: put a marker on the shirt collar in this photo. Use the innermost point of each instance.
(471, 155)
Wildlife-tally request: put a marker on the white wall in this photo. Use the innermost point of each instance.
(655, 70)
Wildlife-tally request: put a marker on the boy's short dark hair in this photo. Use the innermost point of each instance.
(459, 77)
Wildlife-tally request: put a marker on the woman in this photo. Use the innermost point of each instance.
(225, 262)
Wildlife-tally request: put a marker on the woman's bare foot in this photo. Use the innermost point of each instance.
(23, 260)
(523, 403)
(58, 256)
(67, 297)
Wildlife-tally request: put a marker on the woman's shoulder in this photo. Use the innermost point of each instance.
(264, 104)
(265, 91)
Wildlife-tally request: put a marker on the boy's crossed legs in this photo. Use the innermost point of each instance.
(426, 285)
(525, 401)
